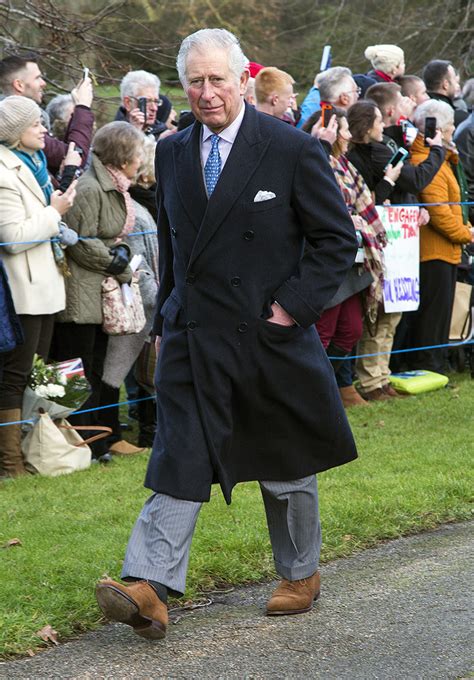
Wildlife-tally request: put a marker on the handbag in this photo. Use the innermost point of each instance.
(120, 318)
(145, 367)
(55, 448)
(461, 315)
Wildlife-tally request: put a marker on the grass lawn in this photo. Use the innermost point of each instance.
(414, 471)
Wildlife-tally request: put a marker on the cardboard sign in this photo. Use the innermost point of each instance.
(402, 258)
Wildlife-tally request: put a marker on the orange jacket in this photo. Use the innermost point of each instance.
(442, 237)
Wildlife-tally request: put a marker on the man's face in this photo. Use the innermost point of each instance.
(401, 106)
(283, 100)
(350, 95)
(214, 93)
(451, 82)
(420, 94)
(151, 95)
(30, 82)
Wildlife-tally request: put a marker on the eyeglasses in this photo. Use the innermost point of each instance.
(157, 102)
(357, 90)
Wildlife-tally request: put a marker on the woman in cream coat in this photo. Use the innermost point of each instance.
(30, 215)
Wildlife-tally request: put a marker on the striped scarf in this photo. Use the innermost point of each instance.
(364, 214)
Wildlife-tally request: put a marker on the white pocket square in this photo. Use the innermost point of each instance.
(263, 196)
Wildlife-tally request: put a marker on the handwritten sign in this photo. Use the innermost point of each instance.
(402, 258)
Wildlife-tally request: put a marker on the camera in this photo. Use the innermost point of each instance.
(430, 128)
(142, 105)
(398, 156)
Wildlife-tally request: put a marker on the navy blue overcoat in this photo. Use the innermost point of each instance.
(238, 397)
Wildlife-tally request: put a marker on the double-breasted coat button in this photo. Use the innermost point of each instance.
(174, 232)
(235, 281)
(248, 235)
(190, 279)
(191, 325)
(243, 327)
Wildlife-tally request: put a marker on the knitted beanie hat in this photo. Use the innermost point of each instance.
(384, 57)
(16, 115)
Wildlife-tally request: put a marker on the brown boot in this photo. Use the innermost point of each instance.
(388, 389)
(11, 457)
(294, 597)
(351, 397)
(136, 604)
(377, 395)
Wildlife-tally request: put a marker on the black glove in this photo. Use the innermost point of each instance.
(121, 258)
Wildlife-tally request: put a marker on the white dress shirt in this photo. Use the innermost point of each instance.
(226, 139)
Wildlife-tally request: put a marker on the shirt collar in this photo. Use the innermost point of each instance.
(230, 132)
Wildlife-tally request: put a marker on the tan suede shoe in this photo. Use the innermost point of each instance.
(136, 604)
(294, 597)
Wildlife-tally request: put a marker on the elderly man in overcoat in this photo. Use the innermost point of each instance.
(254, 240)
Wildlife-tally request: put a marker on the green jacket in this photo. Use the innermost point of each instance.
(98, 212)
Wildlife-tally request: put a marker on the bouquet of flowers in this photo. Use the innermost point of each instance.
(58, 389)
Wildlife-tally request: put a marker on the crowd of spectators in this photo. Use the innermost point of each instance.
(76, 204)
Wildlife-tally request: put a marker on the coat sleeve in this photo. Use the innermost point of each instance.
(165, 257)
(92, 253)
(329, 231)
(79, 131)
(445, 219)
(413, 179)
(16, 225)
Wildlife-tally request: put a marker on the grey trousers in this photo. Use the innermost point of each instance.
(158, 549)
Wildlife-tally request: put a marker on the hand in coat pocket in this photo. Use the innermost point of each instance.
(280, 317)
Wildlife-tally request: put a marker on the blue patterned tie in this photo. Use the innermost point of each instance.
(212, 169)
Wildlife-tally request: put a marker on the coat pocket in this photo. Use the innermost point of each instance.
(171, 308)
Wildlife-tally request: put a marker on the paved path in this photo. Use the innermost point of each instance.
(399, 611)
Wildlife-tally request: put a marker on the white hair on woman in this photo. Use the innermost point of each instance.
(134, 81)
(212, 38)
(433, 108)
(60, 108)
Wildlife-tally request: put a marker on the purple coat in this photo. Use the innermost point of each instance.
(78, 131)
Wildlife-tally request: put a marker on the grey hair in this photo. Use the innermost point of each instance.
(333, 82)
(134, 81)
(468, 92)
(212, 38)
(433, 108)
(57, 107)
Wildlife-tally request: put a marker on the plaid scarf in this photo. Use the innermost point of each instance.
(364, 214)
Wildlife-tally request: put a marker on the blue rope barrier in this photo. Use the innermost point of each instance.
(86, 410)
(404, 351)
(57, 240)
(357, 356)
(153, 231)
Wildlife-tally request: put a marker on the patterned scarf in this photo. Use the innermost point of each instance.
(364, 214)
(122, 184)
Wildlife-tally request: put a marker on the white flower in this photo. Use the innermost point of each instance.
(62, 379)
(41, 390)
(55, 390)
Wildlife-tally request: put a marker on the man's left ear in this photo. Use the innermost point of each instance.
(127, 103)
(344, 98)
(244, 79)
(18, 85)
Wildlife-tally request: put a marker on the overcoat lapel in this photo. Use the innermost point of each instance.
(24, 174)
(188, 173)
(246, 154)
(27, 177)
